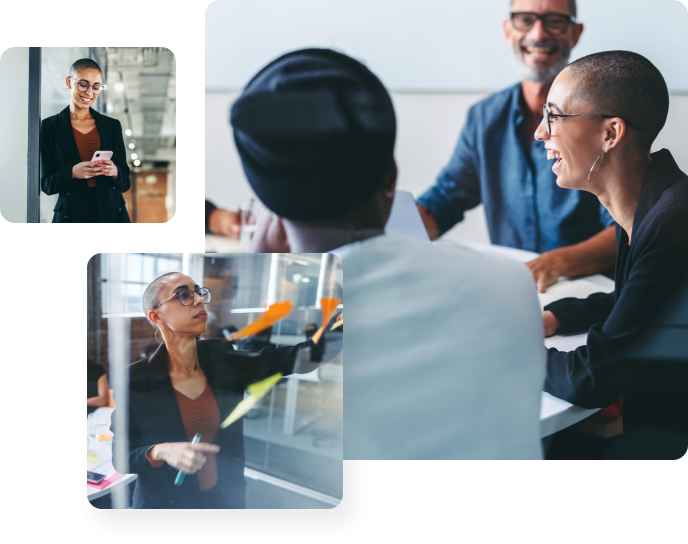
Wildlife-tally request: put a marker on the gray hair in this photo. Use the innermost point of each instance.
(572, 7)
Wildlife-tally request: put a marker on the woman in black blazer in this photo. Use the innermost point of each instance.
(88, 191)
(159, 394)
(647, 195)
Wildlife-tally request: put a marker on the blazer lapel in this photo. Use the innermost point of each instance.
(65, 134)
(105, 136)
(163, 398)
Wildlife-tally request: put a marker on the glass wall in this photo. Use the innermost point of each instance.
(55, 64)
(293, 436)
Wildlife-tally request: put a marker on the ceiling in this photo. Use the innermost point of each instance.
(141, 93)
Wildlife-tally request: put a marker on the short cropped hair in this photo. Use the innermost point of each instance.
(83, 64)
(152, 293)
(627, 85)
(572, 7)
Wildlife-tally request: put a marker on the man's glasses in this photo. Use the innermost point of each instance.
(555, 24)
(84, 85)
(547, 115)
(186, 296)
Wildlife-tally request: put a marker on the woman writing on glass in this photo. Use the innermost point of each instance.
(186, 387)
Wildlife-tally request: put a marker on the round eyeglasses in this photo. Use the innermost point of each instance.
(186, 296)
(84, 85)
(548, 116)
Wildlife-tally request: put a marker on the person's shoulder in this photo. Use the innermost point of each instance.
(49, 122)
(105, 119)
(496, 101)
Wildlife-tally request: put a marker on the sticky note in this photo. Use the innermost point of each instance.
(256, 392)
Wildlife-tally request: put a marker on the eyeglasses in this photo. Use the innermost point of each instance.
(547, 115)
(555, 24)
(84, 85)
(186, 296)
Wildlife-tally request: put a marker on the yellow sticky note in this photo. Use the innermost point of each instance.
(91, 461)
(256, 391)
(337, 324)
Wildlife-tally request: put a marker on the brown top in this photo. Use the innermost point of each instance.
(87, 144)
(199, 416)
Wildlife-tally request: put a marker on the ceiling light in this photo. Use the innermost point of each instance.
(305, 280)
(128, 132)
(119, 87)
(134, 156)
(132, 145)
(151, 179)
(137, 162)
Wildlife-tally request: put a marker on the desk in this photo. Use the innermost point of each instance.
(222, 244)
(556, 414)
(104, 452)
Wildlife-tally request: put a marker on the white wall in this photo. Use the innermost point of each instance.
(440, 45)
(428, 127)
(14, 136)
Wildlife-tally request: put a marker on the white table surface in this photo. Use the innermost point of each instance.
(103, 449)
(556, 414)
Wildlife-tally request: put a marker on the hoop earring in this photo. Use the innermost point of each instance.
(600, 158)
(156, 336)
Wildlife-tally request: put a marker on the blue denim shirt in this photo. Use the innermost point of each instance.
(492, 164)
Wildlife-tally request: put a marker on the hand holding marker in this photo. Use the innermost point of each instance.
(179, 480)
(273, 314)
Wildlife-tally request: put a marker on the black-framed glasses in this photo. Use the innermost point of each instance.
(547, 115)
(84, 85)
(186, 296)
(555, 24)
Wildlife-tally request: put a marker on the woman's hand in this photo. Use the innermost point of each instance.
(85, 170)
(225, 223)
(550, 323)
(183, 456)
(109, 168)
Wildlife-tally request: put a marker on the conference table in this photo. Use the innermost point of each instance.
(556, 414)
(103, 450)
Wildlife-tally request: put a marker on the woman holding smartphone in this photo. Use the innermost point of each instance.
(90, 189)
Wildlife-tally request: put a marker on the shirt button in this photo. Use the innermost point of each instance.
(69, 194)
(119, 209)
(113, 187)
(170, 502)
(66, 217)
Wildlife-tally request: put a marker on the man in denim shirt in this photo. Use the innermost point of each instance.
(498, 162)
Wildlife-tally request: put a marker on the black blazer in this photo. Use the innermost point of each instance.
(647, 273)
(144, 392)
(59, 154)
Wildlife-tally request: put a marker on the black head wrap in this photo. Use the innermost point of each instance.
(315, 132)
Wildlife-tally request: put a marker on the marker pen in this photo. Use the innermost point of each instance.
(179, 480)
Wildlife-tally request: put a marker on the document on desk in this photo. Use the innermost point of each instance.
(569, 288)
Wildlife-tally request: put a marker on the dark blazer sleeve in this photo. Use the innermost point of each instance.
(53, 180)
(591, 376)
(579, 314)
(134, 461)
(209, 208)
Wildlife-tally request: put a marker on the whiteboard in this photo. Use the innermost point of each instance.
(428, 45)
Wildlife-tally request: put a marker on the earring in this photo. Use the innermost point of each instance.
(156, 336)
(600, 158)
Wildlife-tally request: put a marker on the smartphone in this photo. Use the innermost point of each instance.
(102, 156)
(94, 477)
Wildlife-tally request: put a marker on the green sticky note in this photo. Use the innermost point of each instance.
(256, 391)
